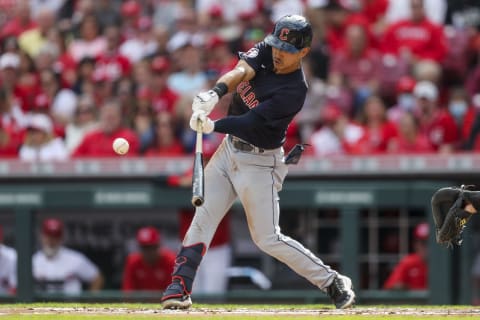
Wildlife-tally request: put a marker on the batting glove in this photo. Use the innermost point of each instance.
(205, 101)
(207, 124)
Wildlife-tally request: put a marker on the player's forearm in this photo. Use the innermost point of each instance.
(241, 72)
(237, 125)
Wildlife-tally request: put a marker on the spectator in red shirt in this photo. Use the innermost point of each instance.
(339, 17)
(338, 134)
(374, 11)
(409, 139)
(379, 131)
(357, 66)
(151, 268)
(22, 21)
(98, 143)
(111, 61)
(462, 112)
(411, 273)
(163, 97)
(165, 143)
(417, 37)
(435, 122)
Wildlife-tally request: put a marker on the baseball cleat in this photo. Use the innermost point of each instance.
(175, 296)
(341, 292)
(183, 302)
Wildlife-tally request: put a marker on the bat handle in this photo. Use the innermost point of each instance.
(198, 145)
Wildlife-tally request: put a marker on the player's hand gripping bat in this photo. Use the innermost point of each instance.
(198, 183)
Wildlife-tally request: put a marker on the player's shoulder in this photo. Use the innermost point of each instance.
(134, 257)
(65, 253)
(8, 252)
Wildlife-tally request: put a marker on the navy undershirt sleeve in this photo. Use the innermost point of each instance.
(236, 124)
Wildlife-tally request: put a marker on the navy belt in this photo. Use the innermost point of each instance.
(244, 146)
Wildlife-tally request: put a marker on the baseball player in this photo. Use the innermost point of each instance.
(57, 269)
(150, 268)
(8, 268)
(269, 90)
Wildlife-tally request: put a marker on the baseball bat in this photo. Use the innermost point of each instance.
(198, 182)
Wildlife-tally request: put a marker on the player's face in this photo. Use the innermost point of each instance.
(286, 62)
(50, 245)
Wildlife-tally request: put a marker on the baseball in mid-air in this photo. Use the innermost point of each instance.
(120, 146)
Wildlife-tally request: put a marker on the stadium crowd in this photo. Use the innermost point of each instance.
(384, 76)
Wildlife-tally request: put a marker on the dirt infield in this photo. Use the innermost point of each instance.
(281, 311)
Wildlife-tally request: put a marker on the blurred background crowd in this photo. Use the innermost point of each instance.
(384, 76)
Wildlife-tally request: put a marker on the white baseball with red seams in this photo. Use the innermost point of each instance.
(120, 146)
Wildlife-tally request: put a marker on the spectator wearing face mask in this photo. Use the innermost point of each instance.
(460, 109)
(405, 99)
(58, 269)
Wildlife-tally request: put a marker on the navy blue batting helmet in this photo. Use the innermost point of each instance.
(291, 33)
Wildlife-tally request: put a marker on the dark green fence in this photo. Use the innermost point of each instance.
(348, 196)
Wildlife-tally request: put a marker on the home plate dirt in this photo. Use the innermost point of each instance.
(465, 311)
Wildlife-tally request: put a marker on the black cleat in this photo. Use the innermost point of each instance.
(341, 292)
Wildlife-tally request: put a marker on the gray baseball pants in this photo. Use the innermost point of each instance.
(256, 179)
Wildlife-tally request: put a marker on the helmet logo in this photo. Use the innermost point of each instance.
(283, 34)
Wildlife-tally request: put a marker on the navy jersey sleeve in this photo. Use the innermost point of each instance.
(257, 55)
(285, 103)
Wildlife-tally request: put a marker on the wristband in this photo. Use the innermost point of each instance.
(220, 88)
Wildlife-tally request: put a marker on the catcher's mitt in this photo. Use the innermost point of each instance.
(449, 215)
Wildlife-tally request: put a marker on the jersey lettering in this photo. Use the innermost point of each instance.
(244, 90)
(252, 53)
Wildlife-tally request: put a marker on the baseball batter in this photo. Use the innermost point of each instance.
(270, 89)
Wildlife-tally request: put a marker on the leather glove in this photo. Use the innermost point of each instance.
(449, 215)
(205, 101)
(207, 124)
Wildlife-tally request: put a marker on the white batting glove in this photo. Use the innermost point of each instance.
(207, 124)
(205, 101)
